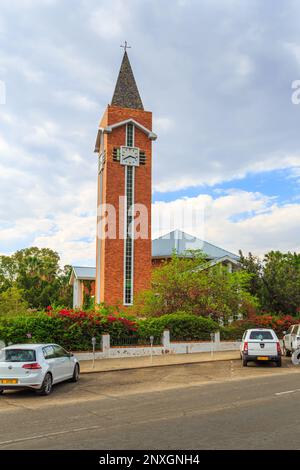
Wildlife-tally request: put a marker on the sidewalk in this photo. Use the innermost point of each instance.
(105, 365)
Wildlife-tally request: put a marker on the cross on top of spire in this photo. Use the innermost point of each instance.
(125, 47)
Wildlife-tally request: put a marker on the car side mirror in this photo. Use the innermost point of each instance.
(71, 354)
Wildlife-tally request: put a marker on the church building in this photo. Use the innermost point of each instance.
(125, 252)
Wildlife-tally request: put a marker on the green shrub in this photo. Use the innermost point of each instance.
(41, 328)
(182, 326)
(231, 333)
(74, 329)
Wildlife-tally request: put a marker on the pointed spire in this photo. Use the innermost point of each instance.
(126, 94)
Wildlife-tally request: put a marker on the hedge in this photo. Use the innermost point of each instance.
(231, 333)
(182, 326)
(74, 329)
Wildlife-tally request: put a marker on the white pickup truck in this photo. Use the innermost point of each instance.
(260, 345)
(291, 340)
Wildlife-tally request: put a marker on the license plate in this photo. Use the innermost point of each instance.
(9, 381)
(262, 358)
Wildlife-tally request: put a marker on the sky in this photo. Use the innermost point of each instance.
(218, 77)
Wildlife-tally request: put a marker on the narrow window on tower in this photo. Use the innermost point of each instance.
(130, 135)
(129, 241)
(128, 272)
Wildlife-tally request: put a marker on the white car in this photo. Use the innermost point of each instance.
(291, 340)
(36, 366)
(260, 344)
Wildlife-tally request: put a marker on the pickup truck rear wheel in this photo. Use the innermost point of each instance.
(285, 351)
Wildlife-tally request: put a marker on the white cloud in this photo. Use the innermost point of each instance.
(276, 162)
(27, 3)
(235, 220)
(240, 220)
(244, 66)
(163, 124)
(75, 100)
(25, 227)
(110, 20)
(22, 66)
(261, 225)
(73, 238)
(7, 118)
(294, 50)
(215, 172)
(43, 134)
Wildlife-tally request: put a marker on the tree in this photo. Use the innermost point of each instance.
(281, 282)
(65, 293)
(254, 266)
(275, 281)
(191, 285)
(12, 303)
(37, 273)
(8, 272)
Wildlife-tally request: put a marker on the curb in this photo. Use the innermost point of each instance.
(156, 365)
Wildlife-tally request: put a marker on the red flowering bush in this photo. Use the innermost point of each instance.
(279, 324)
(77, 327)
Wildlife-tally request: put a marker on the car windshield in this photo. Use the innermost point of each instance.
(261, 335)
(17, 355)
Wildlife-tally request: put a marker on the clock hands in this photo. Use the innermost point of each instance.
(130, 156)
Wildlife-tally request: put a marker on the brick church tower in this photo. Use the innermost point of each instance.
(124, 147)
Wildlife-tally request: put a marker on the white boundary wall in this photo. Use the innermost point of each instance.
(167, 347)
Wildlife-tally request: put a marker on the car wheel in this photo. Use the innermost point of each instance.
(1, 391)
(296, 357)
(46, 388)
(75, 377)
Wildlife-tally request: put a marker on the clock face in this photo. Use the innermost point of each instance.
(130, 156)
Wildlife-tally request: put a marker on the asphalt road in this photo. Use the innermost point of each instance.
(201, 406)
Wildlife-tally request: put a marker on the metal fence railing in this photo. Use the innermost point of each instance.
(123, 342)
(187, 339)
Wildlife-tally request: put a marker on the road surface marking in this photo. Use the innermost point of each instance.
(50, 434)
(288, 391)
